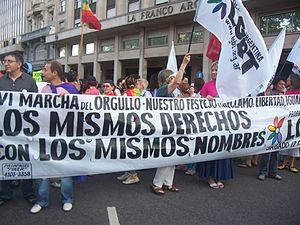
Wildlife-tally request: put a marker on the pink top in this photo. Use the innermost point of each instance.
(59, 90)
(92, 91)
(293, 92)
(209, 88)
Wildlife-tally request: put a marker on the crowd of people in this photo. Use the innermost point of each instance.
(165, 84)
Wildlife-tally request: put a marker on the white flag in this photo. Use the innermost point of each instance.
(244, 61)
(296, 69)
(294, 55)
(172, 62)
(274, 53)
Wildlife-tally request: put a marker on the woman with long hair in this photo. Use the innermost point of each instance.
(215, 171)
(294, 89)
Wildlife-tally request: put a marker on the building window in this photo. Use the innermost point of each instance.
(158, 38)
(61, 25)
(157, 41)
(133, 5)
(93, 5)
(89, 48)
(77, 4)
(131, 43)
(184, 34)
(62, 5)
(111, 8)
(62, 52)
(40, 52)
(77, 23)
(75, 50)
(29, 25)
(108, 46)
(158, 2)
(50, 17)
(6, 43)
(40, 22)
(272, 24)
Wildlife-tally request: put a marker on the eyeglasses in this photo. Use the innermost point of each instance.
(9, 61)
(105, 86)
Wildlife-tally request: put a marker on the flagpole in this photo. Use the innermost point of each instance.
(80, 48)
(282, 68)
(191, 38)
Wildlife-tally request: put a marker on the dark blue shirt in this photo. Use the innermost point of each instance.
(23, 82)
(163, 91)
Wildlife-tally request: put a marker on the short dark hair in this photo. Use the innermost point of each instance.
(109, 82)
(18, 56)
(119, 81)
(72, 76)
(56, 66)
(277, 79)
(92, 81)
(130, 81)
(198, 84)
(295, 81)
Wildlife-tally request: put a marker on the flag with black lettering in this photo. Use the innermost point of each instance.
(244, 62)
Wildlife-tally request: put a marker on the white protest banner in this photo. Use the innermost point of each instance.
(243, 62)
(172, 61)
(47, 135)
(294, 55)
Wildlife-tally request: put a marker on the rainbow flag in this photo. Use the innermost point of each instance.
(88, 16)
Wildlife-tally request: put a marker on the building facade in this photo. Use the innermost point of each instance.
(39, 23)
(11, 26)
(136, 35)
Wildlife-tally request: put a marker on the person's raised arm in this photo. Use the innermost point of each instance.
(177, 80)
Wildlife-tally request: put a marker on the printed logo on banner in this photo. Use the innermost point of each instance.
(220, 5)
(12, 171)
(275, 129)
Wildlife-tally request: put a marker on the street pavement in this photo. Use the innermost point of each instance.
(103, 200)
